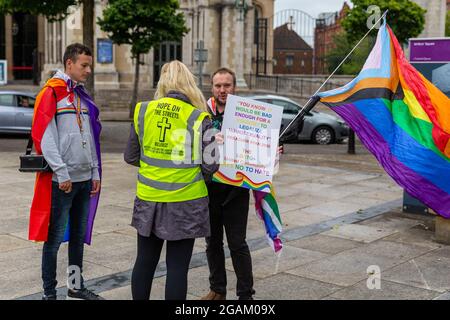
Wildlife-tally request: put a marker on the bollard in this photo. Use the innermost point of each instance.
(442, 231)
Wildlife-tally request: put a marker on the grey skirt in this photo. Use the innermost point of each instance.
(172, 220)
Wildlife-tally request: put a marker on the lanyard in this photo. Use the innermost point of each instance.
(78, 112)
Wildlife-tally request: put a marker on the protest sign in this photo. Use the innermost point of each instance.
(251, 130)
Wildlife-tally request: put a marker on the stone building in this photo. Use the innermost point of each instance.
(292, 55)
(328, 25)
(34, 47)
(434, 18)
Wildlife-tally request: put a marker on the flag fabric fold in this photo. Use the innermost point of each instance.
(267, 211)
(402, 119)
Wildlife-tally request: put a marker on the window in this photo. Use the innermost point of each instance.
(288, 108)
(289, 60)
(7, 100)
(25, 101)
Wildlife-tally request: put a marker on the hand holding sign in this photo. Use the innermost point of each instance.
(250, 130)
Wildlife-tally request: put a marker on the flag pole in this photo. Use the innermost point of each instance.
(313, 100)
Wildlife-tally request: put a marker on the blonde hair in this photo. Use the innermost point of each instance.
(175, 76)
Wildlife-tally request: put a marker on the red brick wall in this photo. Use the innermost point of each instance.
(323, 41)
(296, 68)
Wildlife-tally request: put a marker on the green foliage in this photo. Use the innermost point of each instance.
(405, 17)
(53, 10)
(143, 24)
(342, 47)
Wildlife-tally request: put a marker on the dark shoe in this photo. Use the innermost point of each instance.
(83, 294)
(246, 298)
(49, 297)
(212, 295)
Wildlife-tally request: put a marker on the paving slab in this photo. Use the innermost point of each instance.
(349, 267)
(383, 181)
(18, 259)
(394, 222)
(298, 202)
(291, 287)
(357, 198)
(338, 192)
(415, 236)
(325, 244)
(298, 218)
(10, 243)
(429, 271)
(198, 282)
(265, 262)
(334, 209)
(28, 280)
(113, 251)
(13, 225)
(387, 193)
(387, 291)
(157, 293)
(105, 224)
(297, 176)
(357, 232)
(444, 296)
(122, 293)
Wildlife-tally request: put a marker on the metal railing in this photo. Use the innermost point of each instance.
(286, 84)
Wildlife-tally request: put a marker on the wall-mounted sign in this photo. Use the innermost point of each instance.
(429, 50)
(3, 72)
(431, 57)
(104, 51)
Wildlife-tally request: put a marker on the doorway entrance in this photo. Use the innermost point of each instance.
(24, 32)
(167, 51)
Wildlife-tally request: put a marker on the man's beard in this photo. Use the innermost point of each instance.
(220, 103)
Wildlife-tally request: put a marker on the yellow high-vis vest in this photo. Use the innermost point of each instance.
(169, 132)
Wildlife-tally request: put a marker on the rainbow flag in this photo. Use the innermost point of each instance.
(402, 118)
(266, 206)
(267, 211)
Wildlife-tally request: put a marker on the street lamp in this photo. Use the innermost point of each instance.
(242, 6)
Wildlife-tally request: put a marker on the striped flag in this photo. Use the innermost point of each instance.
(403, 119)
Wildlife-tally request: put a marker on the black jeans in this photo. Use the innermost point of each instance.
(178, 257)
(228, 208)
(64, 205)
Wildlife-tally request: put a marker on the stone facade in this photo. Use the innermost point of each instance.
(226, 30)
(227, 33)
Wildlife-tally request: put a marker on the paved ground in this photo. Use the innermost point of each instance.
(341, 215)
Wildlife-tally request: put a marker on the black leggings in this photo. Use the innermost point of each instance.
(178, 257)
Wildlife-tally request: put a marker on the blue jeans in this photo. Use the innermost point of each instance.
(64, 205)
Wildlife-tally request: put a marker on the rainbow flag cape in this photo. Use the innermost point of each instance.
(265, 204)
(402, 118)
(44, 111)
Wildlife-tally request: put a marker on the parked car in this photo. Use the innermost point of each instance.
(16, 111)
(319, 127)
